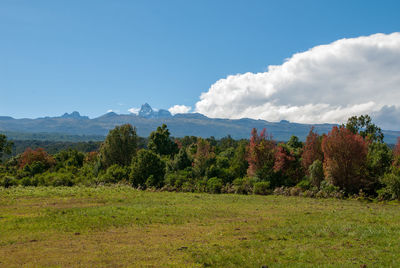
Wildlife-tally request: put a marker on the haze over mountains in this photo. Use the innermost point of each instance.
(148, 119)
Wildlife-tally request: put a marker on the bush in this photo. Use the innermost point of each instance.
(27, 181)
(147, 164)
(180, 179)
(392, 187)
(262, 188)
(295, 191)
(8, 181)
(328, 187)
(304, 184)
(115, 174)
(316, 173)
(244, 185)
(54, 179)
(63, 179)
(214, 185)
(329, 190)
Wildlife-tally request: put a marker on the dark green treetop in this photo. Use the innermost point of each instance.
(119, 147)
(161, 143)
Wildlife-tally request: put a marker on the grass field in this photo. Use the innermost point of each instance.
(120, 226)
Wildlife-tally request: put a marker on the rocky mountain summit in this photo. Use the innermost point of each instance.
(74, 115)
(147, 112)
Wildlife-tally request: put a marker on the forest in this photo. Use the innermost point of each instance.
(351, 160)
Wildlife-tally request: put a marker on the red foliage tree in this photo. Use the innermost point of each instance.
(345, 156)
(39, 155)
(91, 157)
(312, 150)
(260, 152)
(178, 143)
(283, 159)
(288, 164)
(396, 154)
(204, 154)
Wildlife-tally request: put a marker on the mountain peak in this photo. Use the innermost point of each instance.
(74, 115)
(146, 110)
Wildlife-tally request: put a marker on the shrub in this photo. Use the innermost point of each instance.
(392, 187)
(8, 181)
(63, 179)
(304, 184)
(35, 168)
(214, 185)
(262, 188)
(328, 187)
(244, 185)
(282, 191)
(54, 179)
(316, 172)
(295, 191)
(27, 181)
(115, 174)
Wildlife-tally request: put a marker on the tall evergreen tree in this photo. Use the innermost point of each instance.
(119, 147)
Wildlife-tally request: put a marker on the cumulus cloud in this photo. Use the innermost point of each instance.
(326, 84)
(179, 109)
(134, 110)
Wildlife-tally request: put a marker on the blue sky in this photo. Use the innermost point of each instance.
(93, 56)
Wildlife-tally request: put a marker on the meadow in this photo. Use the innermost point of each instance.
(119, 226)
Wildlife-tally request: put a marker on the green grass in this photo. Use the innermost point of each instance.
(120, 226)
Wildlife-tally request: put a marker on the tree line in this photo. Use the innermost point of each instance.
(351, 159)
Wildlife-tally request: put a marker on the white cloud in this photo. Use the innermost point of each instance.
(134, 110)
(179, 109)
(109, 111)
(327, 83)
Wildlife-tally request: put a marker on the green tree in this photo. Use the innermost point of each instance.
(316, 172)
(147, 169)
(70, 158)
(161, 143)
(364, 126)
(294, 143)
(119, 147)
(5, 146)
(379, 160)
(182, 160)
(239, 163)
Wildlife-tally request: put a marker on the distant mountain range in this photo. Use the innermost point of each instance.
(72, 126)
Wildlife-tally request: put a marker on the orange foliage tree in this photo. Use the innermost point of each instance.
(396, 154)
(39, 155)
(204, 155)
(345, 156)
(91, 157)
(288, 165)
(312, 150)
(260, 154)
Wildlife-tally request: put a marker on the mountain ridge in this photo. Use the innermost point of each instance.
(147, 120)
